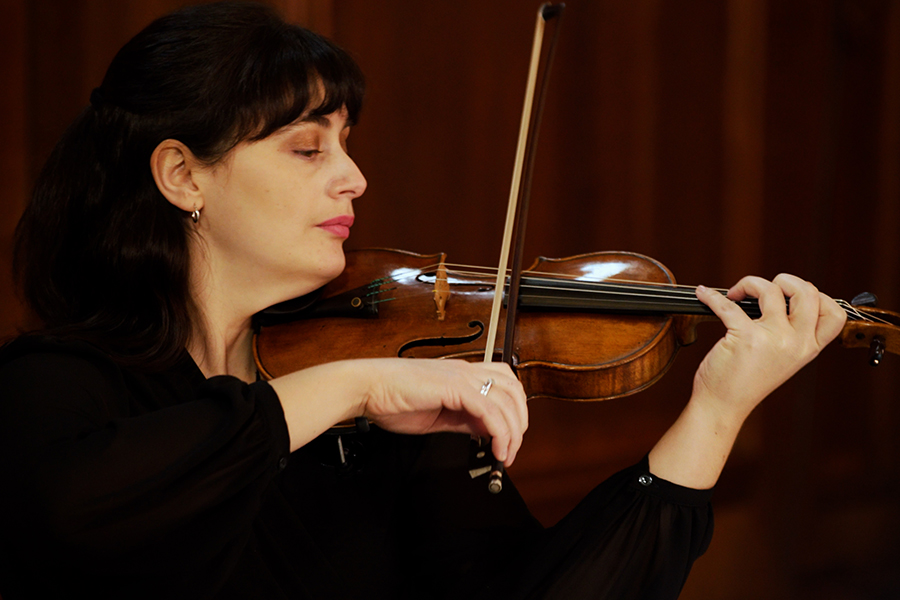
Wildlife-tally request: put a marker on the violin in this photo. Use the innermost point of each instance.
(589, 327)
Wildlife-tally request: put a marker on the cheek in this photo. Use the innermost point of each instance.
(271, 216)
(305, 247)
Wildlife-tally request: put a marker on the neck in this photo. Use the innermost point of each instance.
(227, 291)
(224, 351)
(221, 340)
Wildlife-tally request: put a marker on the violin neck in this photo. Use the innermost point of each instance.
(623, 297)
(626, 298)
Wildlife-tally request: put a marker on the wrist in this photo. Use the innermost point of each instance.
(719, 413)
(693, 451)
(356, 383)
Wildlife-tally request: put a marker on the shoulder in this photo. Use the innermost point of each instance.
(43, 357)
(44, 373)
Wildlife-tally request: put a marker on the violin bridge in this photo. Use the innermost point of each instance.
(441, 290)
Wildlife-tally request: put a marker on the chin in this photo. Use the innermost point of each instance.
(329, 268)
(337, 264)
(299, 280)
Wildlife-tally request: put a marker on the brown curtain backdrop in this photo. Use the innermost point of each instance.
(721, 138)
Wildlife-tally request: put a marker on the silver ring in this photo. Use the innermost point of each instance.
(487, 387)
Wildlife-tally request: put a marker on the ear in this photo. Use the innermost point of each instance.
(174, 167)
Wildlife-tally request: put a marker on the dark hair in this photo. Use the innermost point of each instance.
(100, 254)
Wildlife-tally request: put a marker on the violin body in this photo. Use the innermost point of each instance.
(565, 353)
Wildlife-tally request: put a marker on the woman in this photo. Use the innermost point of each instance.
(207, 180)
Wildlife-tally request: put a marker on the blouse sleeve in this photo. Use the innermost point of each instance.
(104, 485)
(634, 536)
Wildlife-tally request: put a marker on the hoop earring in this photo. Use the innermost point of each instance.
(195, 216)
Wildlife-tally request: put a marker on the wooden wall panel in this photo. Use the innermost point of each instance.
(744, 138)
(13, 159)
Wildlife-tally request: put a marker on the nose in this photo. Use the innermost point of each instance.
(351, 184)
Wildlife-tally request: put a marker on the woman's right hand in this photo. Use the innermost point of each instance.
(413, 396)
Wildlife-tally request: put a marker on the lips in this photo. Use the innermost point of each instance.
(339, 226)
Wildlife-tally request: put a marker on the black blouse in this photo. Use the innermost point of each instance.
(122, 484)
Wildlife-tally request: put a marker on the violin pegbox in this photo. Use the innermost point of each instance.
(870, 327)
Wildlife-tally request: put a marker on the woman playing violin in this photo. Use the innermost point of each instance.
(207, 180)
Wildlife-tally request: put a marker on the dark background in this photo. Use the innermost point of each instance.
(721, 137)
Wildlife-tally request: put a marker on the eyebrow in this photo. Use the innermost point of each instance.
(324, 121)
(320, 120)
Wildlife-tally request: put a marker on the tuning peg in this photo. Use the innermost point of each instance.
(865, 299)
(876, 351)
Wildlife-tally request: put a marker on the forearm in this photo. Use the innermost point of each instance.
(407, 396)
(693, 451)
(317, 398)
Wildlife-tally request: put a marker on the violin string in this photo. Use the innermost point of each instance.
(672, 292)
(629, 295)
(489, 272)
(861, 316)
(675, 289)
(849, 308)
(688, 292)
(477, 271)
(852, 312)
(676, 292)
(627, 287)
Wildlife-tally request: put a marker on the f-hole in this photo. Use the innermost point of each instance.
(444, 341)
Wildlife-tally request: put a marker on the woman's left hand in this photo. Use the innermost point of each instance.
(754, 358)
(757, 356)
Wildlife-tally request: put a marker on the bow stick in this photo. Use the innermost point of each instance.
(517, 210)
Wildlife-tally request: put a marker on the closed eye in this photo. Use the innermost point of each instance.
(307, 153)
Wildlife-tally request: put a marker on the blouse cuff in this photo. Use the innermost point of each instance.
(644, 481)
(272, 412)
